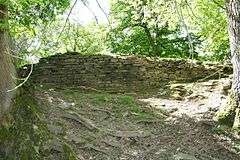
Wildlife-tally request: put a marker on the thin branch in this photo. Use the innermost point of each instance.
(70, 12)
(219, 5)
(106, 15)
(192, 13)
(90, 10)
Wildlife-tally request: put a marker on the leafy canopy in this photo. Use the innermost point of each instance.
(148, 27)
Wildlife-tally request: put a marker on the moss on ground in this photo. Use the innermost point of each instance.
(27, 135)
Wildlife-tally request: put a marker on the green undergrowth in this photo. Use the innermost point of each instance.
(27, 134)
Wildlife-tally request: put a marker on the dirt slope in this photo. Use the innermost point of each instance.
(102, 126)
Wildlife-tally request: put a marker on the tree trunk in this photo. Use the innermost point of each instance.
(230, 113)
(7, 70)
(151, 40)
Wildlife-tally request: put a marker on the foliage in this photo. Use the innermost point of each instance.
(147, 27)
(88, 39)
(32, 12)
(53, 38)
(208, 20)
(26, 18)
(160, 28)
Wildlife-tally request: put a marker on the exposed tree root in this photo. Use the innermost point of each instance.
(112, 144)
(91, 126)
(130, 134)
(80, 119)
(149, 121)
(90, 146)
(103, 110)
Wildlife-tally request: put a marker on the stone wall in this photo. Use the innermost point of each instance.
(118, 74)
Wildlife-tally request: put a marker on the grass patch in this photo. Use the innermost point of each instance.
(120, 105)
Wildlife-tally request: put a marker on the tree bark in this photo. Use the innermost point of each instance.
(230, 113)
(7, 70)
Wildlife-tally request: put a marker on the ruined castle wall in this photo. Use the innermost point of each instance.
(118, 74)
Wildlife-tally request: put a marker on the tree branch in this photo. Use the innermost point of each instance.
(219, 5)
(106, 15)
(65, 24)
(86, 5)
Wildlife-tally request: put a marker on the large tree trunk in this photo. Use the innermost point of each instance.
(7, 70)
(231, 112)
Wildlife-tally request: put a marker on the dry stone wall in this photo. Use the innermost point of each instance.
(118, 74)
